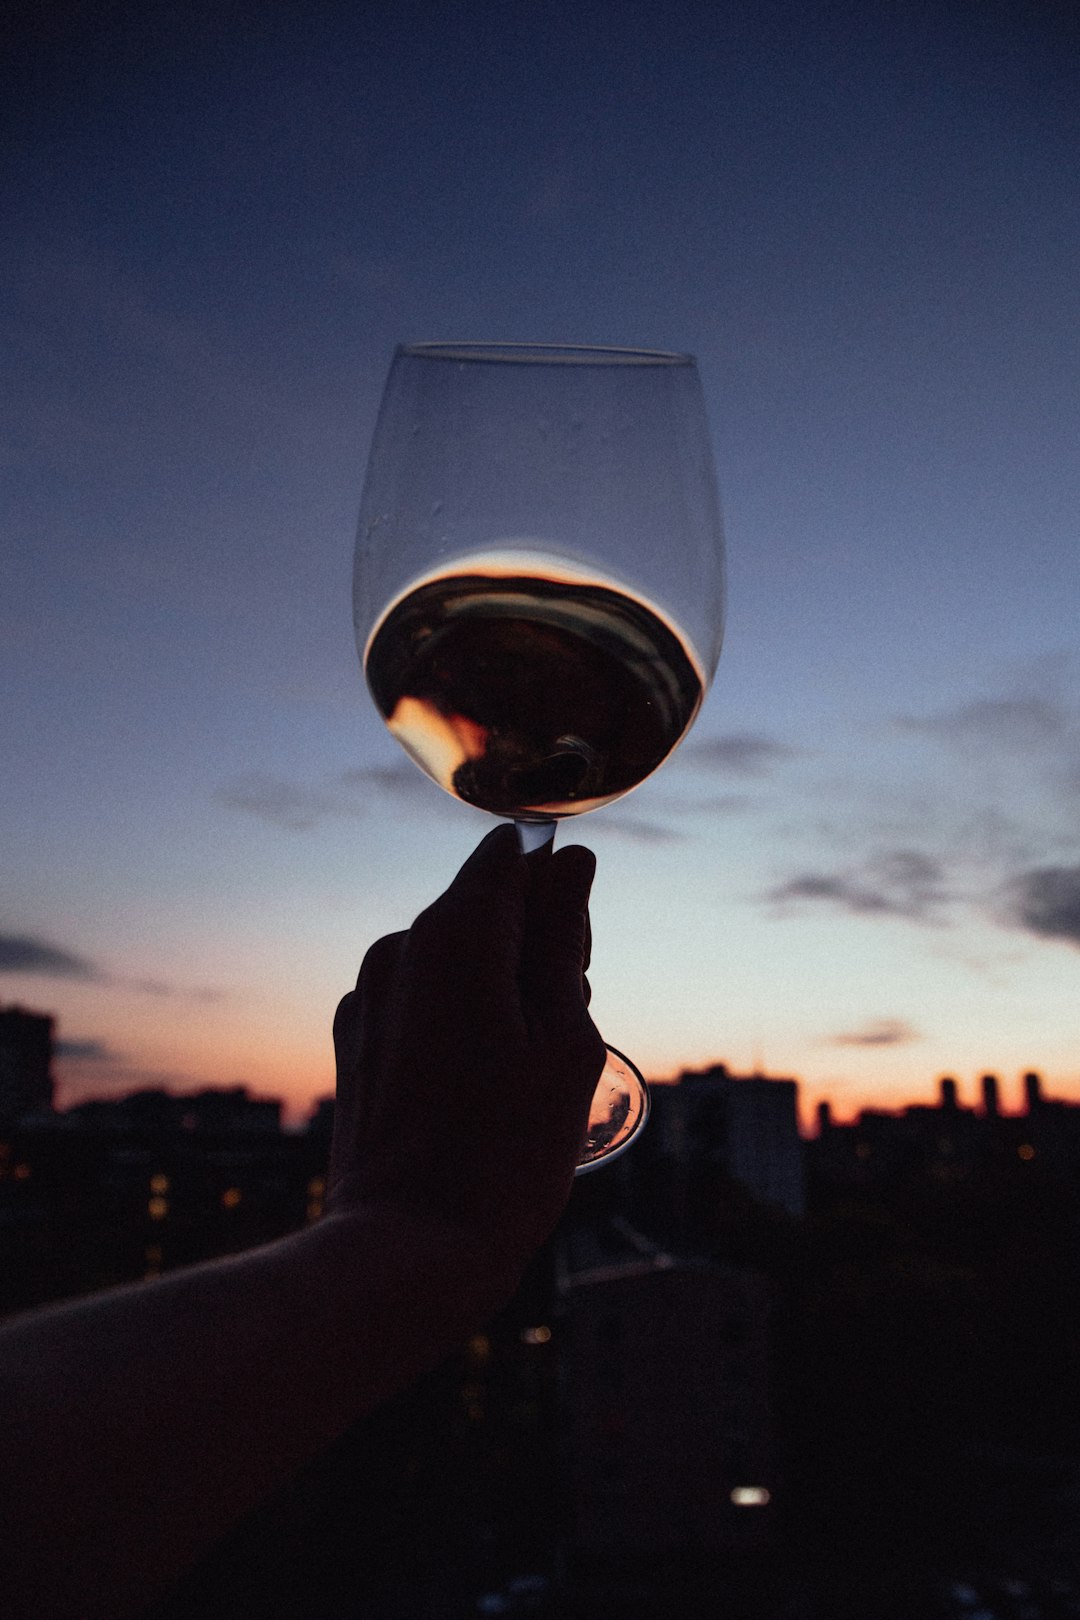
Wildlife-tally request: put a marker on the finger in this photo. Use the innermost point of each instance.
(537, 862)
(558, 937)
(360, 1011)
(381, 961)
(359, 1023)
(495, 864)
(474, 929)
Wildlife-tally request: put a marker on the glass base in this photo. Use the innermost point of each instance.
(620, 1107)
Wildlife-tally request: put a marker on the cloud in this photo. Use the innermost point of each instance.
(85, 1051)
(741, 753)
(22, 953)
(635, 831)
(298, 808)
(402, 780)
(721, 804)
(283, 804)
(157, 987)
(900, 883)
(882, 1032)
(824, 886)
(1014, 725)
(1046, 901)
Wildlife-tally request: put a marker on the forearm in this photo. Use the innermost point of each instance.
(141, 1424)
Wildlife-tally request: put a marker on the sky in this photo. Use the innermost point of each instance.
(862, 869)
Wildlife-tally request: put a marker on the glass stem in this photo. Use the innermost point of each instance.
(534, 835)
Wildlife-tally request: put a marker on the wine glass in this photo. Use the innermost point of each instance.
(539, 587)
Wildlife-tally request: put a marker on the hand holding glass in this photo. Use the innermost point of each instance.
(538, 594)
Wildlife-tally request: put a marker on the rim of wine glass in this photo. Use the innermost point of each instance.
(564, 354)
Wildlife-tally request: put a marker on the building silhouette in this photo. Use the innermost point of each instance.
(743, 1127)
(220, 1110)
(26, 1056)
(991, 1096)
(664, 1406)
(689, 1373)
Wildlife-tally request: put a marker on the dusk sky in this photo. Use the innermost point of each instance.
(863, 867)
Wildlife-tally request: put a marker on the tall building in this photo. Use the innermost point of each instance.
(764, 1147)
(26, 1054)
(665, 1408)
(746, 1127)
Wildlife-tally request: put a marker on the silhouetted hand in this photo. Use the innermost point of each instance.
(466, 1056)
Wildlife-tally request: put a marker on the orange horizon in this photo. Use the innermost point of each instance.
(299, 1104)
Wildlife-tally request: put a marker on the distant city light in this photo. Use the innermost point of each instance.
(316, 1194)
(159, 1184)
(751, 1496)
(157, 1208)
(1026, 1151)
(535, 1335)
(479, 1349)
(231, 1197)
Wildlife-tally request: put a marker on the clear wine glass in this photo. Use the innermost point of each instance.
(539, 587)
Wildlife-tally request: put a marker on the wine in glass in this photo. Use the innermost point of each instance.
(539, 587)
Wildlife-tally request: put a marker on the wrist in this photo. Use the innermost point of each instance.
(454, 1275)
(490, 1218)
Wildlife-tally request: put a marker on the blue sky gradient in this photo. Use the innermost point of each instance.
(864, 866)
